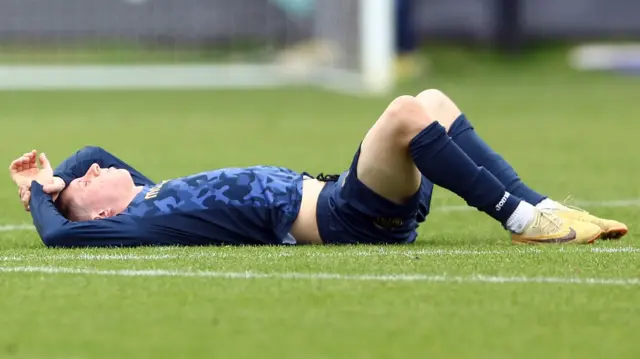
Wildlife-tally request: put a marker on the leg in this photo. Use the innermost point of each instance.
(442, 109)
(405, 144)
(385, 164)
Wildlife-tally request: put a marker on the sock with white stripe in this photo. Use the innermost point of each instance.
(441, 161)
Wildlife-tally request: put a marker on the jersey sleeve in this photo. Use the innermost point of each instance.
(56, 231)
(77, 165)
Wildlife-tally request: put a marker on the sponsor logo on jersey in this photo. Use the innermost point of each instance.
(153, 192)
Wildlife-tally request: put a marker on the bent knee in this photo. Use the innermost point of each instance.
(405, 117)
(439, 106)
(433, 94)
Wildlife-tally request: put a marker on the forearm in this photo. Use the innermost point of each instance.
(77, 165)
(46, 217)
(56, 231)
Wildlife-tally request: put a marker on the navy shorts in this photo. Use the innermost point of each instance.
(349, 212)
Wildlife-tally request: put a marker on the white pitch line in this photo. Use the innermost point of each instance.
(633, 202)
(16, 227)
(616, 250)
(346, 254)
(122, 257)
(96, 257)
(218, 255)
(444, 278)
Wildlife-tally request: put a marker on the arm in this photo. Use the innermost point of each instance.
(77, 165)
(57, 231)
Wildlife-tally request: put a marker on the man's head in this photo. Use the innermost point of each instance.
(100, 193)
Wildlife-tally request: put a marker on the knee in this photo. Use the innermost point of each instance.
(439, 106)
(433, 97)
(405, 117)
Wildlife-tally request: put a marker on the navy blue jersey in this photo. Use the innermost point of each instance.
(254, 205)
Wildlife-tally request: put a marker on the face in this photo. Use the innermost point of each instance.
(100, 191)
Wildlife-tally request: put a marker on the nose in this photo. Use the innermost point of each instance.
(93, 171)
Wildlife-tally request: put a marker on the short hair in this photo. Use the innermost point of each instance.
(71, 209)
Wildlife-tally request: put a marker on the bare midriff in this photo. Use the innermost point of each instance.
(305, 227)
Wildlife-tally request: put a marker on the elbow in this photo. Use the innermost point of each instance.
(92, 149)
(55, 239)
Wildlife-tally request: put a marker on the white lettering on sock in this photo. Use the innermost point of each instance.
(502, 201)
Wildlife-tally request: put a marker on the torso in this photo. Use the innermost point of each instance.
(305, 227)
(253, 205)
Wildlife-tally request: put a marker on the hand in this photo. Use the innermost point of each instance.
(25, 169)
(53, 189)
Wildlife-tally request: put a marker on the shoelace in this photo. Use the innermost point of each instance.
(565, 204)
(552, 222)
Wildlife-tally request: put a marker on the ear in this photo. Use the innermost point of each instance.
(105, 213)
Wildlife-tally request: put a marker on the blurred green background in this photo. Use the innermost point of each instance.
(566, 131)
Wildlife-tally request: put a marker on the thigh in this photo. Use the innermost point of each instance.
(385, 165)
(349, 212)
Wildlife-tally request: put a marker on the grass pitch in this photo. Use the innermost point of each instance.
(462, 291)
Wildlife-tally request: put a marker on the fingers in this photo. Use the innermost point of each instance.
(55, 187)
(24, 187)
(29, 160)
(25, 197)
(33, 162)
(26, 161)
(16, 166)
(25, 202)
(32, 157)
(52, 188)
(44, 161)
(22, 190)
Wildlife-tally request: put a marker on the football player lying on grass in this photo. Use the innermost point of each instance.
(94, 199)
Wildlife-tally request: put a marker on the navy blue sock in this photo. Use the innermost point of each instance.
(467, 139)
(441, 161)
